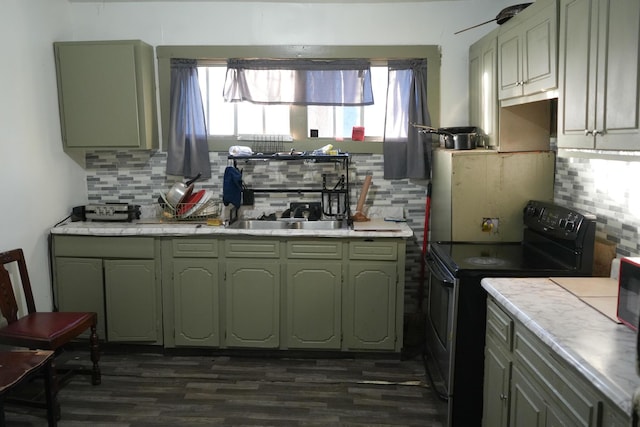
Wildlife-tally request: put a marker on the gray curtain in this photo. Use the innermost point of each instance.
(345, 82)
(188, 151)
(406, 155)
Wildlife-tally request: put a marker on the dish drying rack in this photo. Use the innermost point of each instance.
(184, 212)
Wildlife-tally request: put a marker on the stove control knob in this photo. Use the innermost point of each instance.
(562, 223)
(571, 226)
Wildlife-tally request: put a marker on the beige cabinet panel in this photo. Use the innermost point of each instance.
(483, 89)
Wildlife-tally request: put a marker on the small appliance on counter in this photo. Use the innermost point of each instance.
(121, 212)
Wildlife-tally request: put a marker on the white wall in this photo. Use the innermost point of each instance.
(39, 182)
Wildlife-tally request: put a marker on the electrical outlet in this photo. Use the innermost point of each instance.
(490, 225)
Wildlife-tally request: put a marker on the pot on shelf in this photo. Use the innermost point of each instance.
(180, 191)
(457, 138)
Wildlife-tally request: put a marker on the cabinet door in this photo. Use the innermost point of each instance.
(106, 94)
(510, 63)
(483, 92)
(540, 45)
(527, 404)
(370, 306)
(578, 67)
(196, 302)
(313, 304)
(80, 287)
(252, 303)
(599, 74)
(497, 375)
(617, 108)
(132, 300)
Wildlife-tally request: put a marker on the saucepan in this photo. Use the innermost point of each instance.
(180, 191)
(457, 138)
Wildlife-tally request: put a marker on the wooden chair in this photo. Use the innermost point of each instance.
(17, 367)
(41, 330)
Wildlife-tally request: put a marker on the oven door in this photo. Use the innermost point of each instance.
(441, 326)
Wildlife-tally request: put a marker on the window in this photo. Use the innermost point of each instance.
(228, 120)
(245, 118)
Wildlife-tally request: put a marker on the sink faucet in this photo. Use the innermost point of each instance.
(304, 210)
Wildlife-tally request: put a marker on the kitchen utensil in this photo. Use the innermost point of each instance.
(180, 191)
(502, 17)
(457, 138)
(359, 215)
(197, 205)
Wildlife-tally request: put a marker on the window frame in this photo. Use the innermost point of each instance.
(218, 53)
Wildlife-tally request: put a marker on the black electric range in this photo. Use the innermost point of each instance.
(557, 242)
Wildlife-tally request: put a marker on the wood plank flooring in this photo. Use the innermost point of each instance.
(147, 387)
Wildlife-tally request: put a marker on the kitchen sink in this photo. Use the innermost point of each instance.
(250, 224)
(317, 225)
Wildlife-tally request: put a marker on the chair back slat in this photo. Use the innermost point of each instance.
(8, 302)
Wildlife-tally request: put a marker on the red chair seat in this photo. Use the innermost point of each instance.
(48, 330)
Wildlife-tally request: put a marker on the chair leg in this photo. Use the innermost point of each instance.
(51, 394)
(96, 377)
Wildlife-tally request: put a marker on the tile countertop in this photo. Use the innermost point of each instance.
(141, 228)
(599, 348)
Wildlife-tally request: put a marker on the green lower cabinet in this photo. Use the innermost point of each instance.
(82, 289)
(527, 405)
(313, 304)
(497, 371)
(252, 288)
(196, 302)
(369, 310)
(132, 301)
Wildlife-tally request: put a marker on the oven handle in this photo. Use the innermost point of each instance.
(441, 274)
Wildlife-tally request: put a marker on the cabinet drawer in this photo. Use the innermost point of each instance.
(195, 248)
(499, 325)
(104, 247)
(373, 250)
(571, 393)
(252, 248)
(315, 249)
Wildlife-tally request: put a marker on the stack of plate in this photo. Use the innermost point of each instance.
(197, 204)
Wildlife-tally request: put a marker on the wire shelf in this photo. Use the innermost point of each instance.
(191, 211)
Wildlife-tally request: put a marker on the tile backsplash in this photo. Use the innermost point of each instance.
(608, 189)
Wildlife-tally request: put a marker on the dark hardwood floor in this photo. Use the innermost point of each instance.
(152, 387)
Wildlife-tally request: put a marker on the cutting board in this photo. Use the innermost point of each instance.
(600, 293)
(377, 225)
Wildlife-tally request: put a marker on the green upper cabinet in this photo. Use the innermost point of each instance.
(106, 95)
(527, 52)
(599, 74)
(483, 90)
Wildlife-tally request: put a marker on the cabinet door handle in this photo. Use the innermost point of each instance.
(588, 132)
(503, 396)
(597, 132)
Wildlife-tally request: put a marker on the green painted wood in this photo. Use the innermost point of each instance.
(252, 303)
(370, 249)
(104, 247)
(370, 306)
(196, 302)
(106, 93)
(79, 287)
(497, 374)
(314, 249)
(483, 86)
(251, 248)
(313, 304)
(132, 301)
(195, 248)
(599, 74)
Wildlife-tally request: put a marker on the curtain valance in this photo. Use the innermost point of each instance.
(342, 82)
